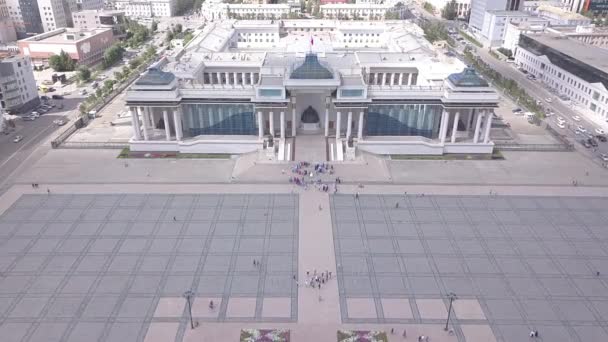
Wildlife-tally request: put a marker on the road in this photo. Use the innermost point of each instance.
(537, 90)
(17, 156)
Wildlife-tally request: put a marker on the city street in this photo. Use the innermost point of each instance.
(539, 92)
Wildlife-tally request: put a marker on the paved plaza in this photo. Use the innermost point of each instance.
(515, 263)
(114, 267)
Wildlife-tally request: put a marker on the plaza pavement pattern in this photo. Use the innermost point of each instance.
(110, 267)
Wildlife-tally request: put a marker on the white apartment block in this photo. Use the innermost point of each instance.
(85, 5)
(480, 7)
(56, 14)
(146, 8)
(353, 11)
(516, 29)
(495, 26)
(463, 6)
(570, 68)
(17, 84)
(215, 10)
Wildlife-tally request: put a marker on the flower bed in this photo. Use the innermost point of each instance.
(264, 335)
(361, 336)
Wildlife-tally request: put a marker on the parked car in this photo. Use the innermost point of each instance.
(599, 131)
(44, 98)
(604, 156)
(581, 129)
(517, 110)
(560, 119)
(561, 125)
(29, 118)
(592, 142)
(601, 138)
(59, 122)
(18, 138)
(35, 114)
(549, 100)
(585, 143)
(576, 118)
(83, 92)
(57, 97)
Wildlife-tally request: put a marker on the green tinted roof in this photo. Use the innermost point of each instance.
(467, 78)
(311, 69)
(155, 76)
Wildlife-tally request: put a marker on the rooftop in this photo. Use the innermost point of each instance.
(65, 35)
(560, 12)
(509, 13)
(584, 53)
(311, 69)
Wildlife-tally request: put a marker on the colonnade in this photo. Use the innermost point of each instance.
(483, 126)
(146, 126)
(271, 127)
(231, 78)
(349, 124)
(392, 78)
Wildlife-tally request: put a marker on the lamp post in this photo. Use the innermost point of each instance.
(451, 297)
(188, 295)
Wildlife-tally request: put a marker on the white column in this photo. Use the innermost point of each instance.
(260, 125)
(167, 128)
(235, 78)
(282, 117)
(409, 79)
(470, 118)
(455, 127)
(326, 121)
(177, 120)
(477, 126)
(400, 78)
(444, 124)
(392, 78)
(135, 123)
(211, 117)
(227, 75)
(271, 123)
(219, 78)
(338, 119)
(251, 78)
(486, 138)
(383, 78)
(293, 120)
(349, 124)
(360, 126)
(150, 117)
(144, 120)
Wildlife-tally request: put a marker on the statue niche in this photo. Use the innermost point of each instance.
(310, 120)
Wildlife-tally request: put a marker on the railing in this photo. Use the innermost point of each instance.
(93, 145)
(534, 147)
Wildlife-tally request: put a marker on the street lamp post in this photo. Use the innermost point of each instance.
(451, 297)
(188, 295)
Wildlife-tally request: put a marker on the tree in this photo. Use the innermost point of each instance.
(84, 73)
(112, 55)
(309, 6)
(82, 108)
(62, 62)
(177, 29)
(108, 85)
(169, 36)
(187, 38)
(429, 7)
(505, 52)
(98, 93)
(450, 10)
(154, 26)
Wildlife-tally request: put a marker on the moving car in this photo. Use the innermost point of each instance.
(576, 118)
(18, 138)
(28, 118)
(83, 92)
(57, 97)
(59, 122)
(517, 110)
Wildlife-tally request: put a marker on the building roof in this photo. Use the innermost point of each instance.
(61, 35)
(584, 53)
(155, 76)
(509, 13)
(311, 69)
(560, 12)
(467, 78)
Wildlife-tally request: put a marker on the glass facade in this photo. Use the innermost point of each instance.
(219, 119)
(403, 119)
(351, 92)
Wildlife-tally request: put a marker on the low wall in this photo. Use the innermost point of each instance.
(198, 146)
(423, 147)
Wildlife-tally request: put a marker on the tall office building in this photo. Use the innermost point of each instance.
(479, 8)
(56, 13)
(25, 17)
